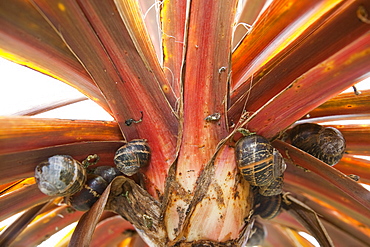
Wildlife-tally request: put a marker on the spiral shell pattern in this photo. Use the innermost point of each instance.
(132, 156)
(325, 143)
(258, 161)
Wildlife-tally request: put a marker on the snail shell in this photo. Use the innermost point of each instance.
(274, 188)
(258, 161)
(132, 156)
(60, 175)
(85, 198)
(257, 235)
(267, 207)
(107, 172)
(325, 143)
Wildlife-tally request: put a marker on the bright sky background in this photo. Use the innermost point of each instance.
(22, 88)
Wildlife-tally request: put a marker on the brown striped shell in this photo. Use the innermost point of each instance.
(267, 207)
(257, 235)
(107, 172)
(94, 187)
(85, 198)
(274, 188)
(132, 156)
(60, 175)
(325, 143)
(258, 161)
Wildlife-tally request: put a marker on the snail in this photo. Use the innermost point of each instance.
(60, 175)
(274, 188)
(132, 156)
(267, 207)
(259, 163)
(325, 143)
(257, 234)
(107, 172)
(85, 198)
(94, 187)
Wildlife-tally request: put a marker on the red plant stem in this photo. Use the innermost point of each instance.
(280, 66)
(205, 85)
(82, 235)
(307, 92)
(205, 93)
(346, 103)
(277, 25)
(19, 200)
(173, 16)
(24, 133)
(347, 185)
(352, 165)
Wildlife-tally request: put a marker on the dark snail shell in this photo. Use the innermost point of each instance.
(258, 161)
(325, 143)
(60, 175)
(257, 234)
(267, 207)
(85, 198)
(274, 188)
(107, 172)
(132, 156)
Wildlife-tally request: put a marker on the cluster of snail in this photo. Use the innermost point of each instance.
(263, 166)
(258, 161)
(61, 175)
